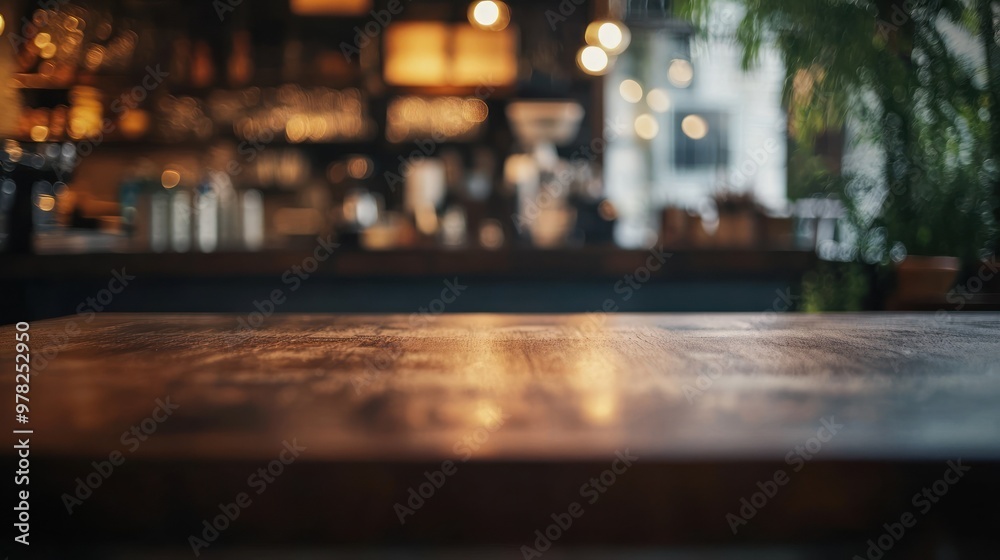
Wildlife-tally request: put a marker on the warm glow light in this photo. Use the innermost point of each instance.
(170, 178)
(475, 50)
(416, 54)
(593, 60)
(14, 152)
(48, 51)
(646, 126)
(95, 56)
(297, 221)
(77, 128)
(436, 54)
(42, 39)
(39, 133)
(412, 117)
(426, 219)
(359, 167)
(331, 7)
(475, 110)
(680, 73)
(489, 14)
(694, 127)
(491, 235)
(46, 202)
(3, 25)
(134, 123)
(486, 414)
(631, 91)
(612, 36)
(296, 129)
(600, 408)
(485, 13)
(658, 100)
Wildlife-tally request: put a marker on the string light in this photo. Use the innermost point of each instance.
(612, 36)
(491, 15)
(593, 60)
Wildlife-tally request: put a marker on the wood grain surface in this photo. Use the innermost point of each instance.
(711, 405)
(572, 386)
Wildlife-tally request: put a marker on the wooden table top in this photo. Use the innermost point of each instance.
(569, 387)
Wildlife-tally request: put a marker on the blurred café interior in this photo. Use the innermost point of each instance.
(540, 148)
(188, 165)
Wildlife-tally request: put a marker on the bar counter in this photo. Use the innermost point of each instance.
(861, 411)
(347, 263)
(354, 281)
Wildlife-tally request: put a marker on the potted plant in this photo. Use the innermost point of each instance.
(920, 109)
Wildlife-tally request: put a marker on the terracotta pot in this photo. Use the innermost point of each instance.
(737, 230)
(697, 236)
(674, 228)
(779, 233)
(921, 277)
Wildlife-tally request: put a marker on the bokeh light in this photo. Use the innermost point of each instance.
(612, 36)
(631, 91)
(593, 60)
(46, 202)
(491, 15)
(658, 100)
(170, 178)
(646, 126)
(39, 133)
(680, 73)
(694, 127)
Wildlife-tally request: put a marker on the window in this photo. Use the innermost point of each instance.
(701, 140)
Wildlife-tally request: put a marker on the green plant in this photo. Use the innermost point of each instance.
(835, 287)
(915, 81)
